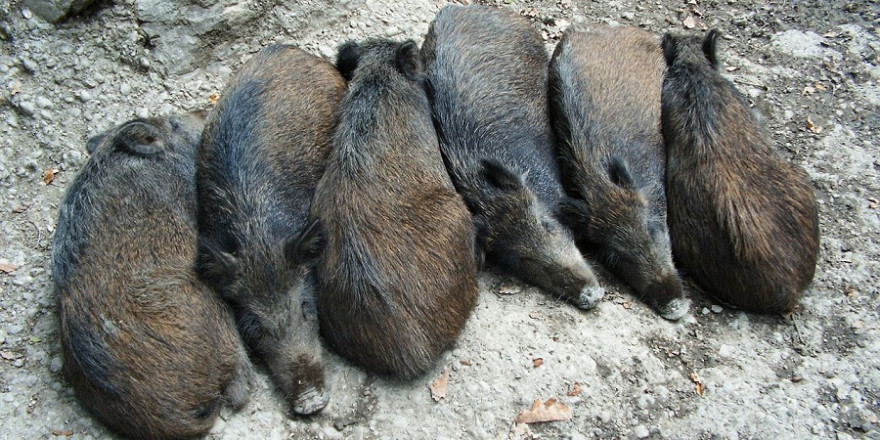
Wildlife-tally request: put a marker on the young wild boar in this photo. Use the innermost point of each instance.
(487, 77)
(264, 148)
(393, 242)
(743, 221)
(149, 349)
(605, 101)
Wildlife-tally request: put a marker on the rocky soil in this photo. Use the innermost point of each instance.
(811, 68)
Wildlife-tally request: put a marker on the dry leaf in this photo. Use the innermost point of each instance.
(534, 315)
(813, 127)
(465, 363)
(575, 390)
(549, 411)
(49, 175)
(62, 433)
(699, 384)
(820, 87)
(830, 35)
(872, 203)
(438, 386)
(8, 355)
(213, 98)
(537, 362)
(627, 305)
(7, 268)
(689, 22)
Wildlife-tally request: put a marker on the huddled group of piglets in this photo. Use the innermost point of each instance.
(358, 202)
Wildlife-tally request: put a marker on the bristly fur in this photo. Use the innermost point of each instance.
(397, 276)
(264, 147)
(486, 73)
(746, 225)
(149, 350)
(605, 101)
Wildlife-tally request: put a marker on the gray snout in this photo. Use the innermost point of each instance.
(589, 297)
(311, 401)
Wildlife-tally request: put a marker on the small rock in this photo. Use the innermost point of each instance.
(56, 364)
(628, 15)
(27, 107)
(144, 63)
(13, 328)
(84, 96)
(142, 112)
(641, 431)
(705, 311)
(18, 363)
(717, 309)
(391, 31)
(29, 64)
(44, 102)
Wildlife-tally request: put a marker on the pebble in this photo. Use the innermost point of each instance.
(44, 102)
(717, 309)
(84, 96)
(56, 364)
(391, 31)
(27, 107)
(13, 328)
(705, 311)
(29, 64)
(641, 431)
(18, 363)
(628, 15)
(142, 112)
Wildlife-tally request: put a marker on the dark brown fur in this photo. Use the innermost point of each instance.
(264, 148)
(395, 260)
(605, 97)
(149, 349)
(743, 221)
(487, 76)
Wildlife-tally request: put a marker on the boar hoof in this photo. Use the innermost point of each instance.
(310, 401)
(589, 297)
(675, 309)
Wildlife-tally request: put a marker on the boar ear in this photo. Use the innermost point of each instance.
(409, 62)
(481, 230)
(347, 59)
(308, 245)
(93, 143)
(500, 176)
(214, 266)
(140, 138)
(670, 48)
(619, 173)
(709, 46)
(574, 213)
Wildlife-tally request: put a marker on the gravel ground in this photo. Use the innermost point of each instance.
(811, 68)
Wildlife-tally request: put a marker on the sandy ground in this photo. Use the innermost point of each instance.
(810, 67)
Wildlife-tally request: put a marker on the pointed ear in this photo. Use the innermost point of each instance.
(93, 143)
(709, 47)
(347, 59)
(574, 213)
(308, 245)
(139, 138)
(500, 176)
(481, 229)
(214, 266)
(670, 48)
(618, 172)
(409, 62)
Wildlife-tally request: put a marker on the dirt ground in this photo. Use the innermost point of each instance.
(812, 68)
